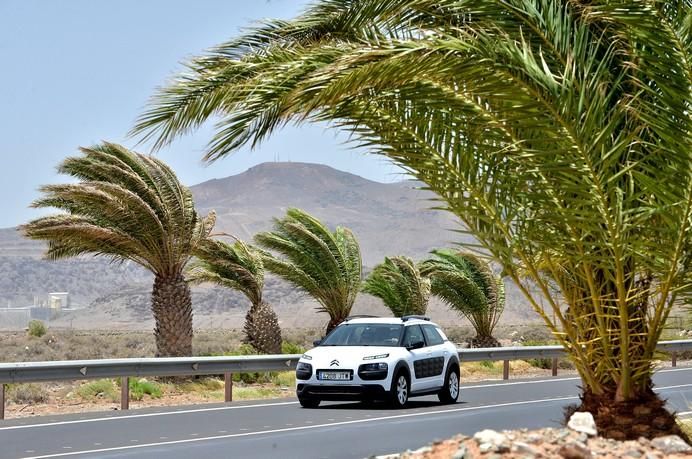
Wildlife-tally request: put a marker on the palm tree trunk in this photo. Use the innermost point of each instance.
(333, 322)
(171, 304)
(484, 341)
(643, 416)
(262, 330)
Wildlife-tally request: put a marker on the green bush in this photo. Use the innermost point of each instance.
(37, 329)
(487, 363)
(101, 388)
(543, 363)
(291, 348)
(141, 387)
(26, 393)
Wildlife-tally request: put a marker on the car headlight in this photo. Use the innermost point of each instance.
(306, 357)
(375, 357)
(303, 367)
(303, 371)
(374, 366)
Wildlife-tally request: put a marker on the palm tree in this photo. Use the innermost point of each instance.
(128, 206)
(467, 284)
(558, 132)
(400, 285)
(239, 266)
(324, 264)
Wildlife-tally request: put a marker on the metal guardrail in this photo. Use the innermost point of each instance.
(23, 372)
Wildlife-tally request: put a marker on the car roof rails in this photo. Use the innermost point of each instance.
(361, 316)
(405, 318)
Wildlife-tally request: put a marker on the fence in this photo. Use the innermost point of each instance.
(24, 372)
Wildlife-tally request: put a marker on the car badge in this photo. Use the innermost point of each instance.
(334, 362)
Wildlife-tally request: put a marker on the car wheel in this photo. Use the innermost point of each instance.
(309, 402)
(450, 390)
(398, 395)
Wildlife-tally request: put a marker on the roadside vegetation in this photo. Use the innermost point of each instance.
(36, 328)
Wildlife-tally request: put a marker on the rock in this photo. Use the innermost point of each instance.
(524, 448)
(461, 453)
(671, 444)
(582, 421)
(491, 440)
(575, 450)
(633, 453)
(536, 438)
(423, 450)
(485, 447)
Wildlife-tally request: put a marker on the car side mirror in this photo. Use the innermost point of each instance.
(416, 345)
(316, 342)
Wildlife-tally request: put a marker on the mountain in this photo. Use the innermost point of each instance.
(388, 219)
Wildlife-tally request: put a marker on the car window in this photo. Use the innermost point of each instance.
(412, 335)
(432, 337)
(364, 335)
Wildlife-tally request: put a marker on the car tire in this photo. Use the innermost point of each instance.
(450, 390)
(400, 390)
(309, 402)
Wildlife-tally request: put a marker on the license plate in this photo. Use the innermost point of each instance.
(335, 376)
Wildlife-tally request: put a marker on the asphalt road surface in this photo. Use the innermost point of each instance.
(282, 429)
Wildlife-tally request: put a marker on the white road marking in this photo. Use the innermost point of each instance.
(145, 415)
(672, 387)
(290, 429)
(538, 381)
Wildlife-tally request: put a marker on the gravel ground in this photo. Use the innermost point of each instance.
(547, 443)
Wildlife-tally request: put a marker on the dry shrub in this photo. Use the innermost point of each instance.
(23, 394)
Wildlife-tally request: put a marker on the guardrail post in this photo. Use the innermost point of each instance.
(228, 387)
(554, 367)
(2, 401)
(505, 369)
(125, 393)
(674, 358)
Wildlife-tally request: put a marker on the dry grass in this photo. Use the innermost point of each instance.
(22, 394)
(490, 369)
(686, 426)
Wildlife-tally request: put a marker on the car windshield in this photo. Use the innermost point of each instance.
(364, 335)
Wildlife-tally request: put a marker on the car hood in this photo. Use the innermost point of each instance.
(347, 356)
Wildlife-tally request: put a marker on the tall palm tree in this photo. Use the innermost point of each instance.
(128, 206)
(239, 266)
(467, 284)
(559, 132)
(324, 264)
(400, 285)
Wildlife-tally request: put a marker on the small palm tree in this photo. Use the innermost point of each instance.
(239, 266)
(468, 285)
(128, 206)
(326, 265)
(399, 284)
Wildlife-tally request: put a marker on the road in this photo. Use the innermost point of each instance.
(281, 429)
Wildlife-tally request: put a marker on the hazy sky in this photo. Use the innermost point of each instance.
(75, 72)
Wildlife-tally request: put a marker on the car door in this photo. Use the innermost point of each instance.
(418, 359)
(437, 355)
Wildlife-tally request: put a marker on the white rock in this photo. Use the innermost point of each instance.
(582, 421)
(490, 436)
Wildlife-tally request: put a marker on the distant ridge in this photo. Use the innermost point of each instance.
(388, 219)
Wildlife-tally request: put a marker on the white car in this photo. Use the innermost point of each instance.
(391, 359)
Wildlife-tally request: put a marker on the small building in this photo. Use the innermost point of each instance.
(59, 300)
